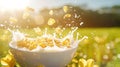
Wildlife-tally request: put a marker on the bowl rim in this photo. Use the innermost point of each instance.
(43, 51)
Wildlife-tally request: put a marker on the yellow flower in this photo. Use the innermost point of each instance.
(88, 63)
(82, 63)
(8, 61)
(74, 60)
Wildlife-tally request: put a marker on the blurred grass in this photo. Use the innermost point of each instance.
(102, 44)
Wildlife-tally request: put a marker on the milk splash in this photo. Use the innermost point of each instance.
(17, 36)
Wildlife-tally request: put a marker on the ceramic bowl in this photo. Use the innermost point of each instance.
(46, 59)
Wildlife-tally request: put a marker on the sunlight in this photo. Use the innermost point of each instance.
(13, 4)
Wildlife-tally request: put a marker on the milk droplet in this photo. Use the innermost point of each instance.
(81, 23)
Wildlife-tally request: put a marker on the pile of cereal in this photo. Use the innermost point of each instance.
(32, 43)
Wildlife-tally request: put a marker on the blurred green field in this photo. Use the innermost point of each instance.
(102, 44)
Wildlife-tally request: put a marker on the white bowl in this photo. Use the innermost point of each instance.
(48, 59)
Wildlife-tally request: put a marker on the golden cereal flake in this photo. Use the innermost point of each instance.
(49, 42)
(21, 43)
(37, 30)
(58, 30)
(29, 44)
(65, 9)
(32, 46)
(51, 12)
(57, 42)
(51, 21)
(67, 16)
(42, 44)
(66, 43)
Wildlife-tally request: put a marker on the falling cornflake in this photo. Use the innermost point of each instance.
(58, 30)
(51, 12)
(67, 16)
(37, 30)
(65, 9)
(51, 21)
(13, 20)
(27, 12)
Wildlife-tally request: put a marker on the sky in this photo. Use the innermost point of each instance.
(40, 4)
(92, 4)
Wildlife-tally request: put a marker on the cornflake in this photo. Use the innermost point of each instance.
(51, 12)
(58, 30)
(37, 30)
(66, 42)
(27, 43)
(65, 9)
(67, 16)
(51, 21)
(32, 43)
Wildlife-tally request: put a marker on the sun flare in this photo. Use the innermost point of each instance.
(13, 4)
